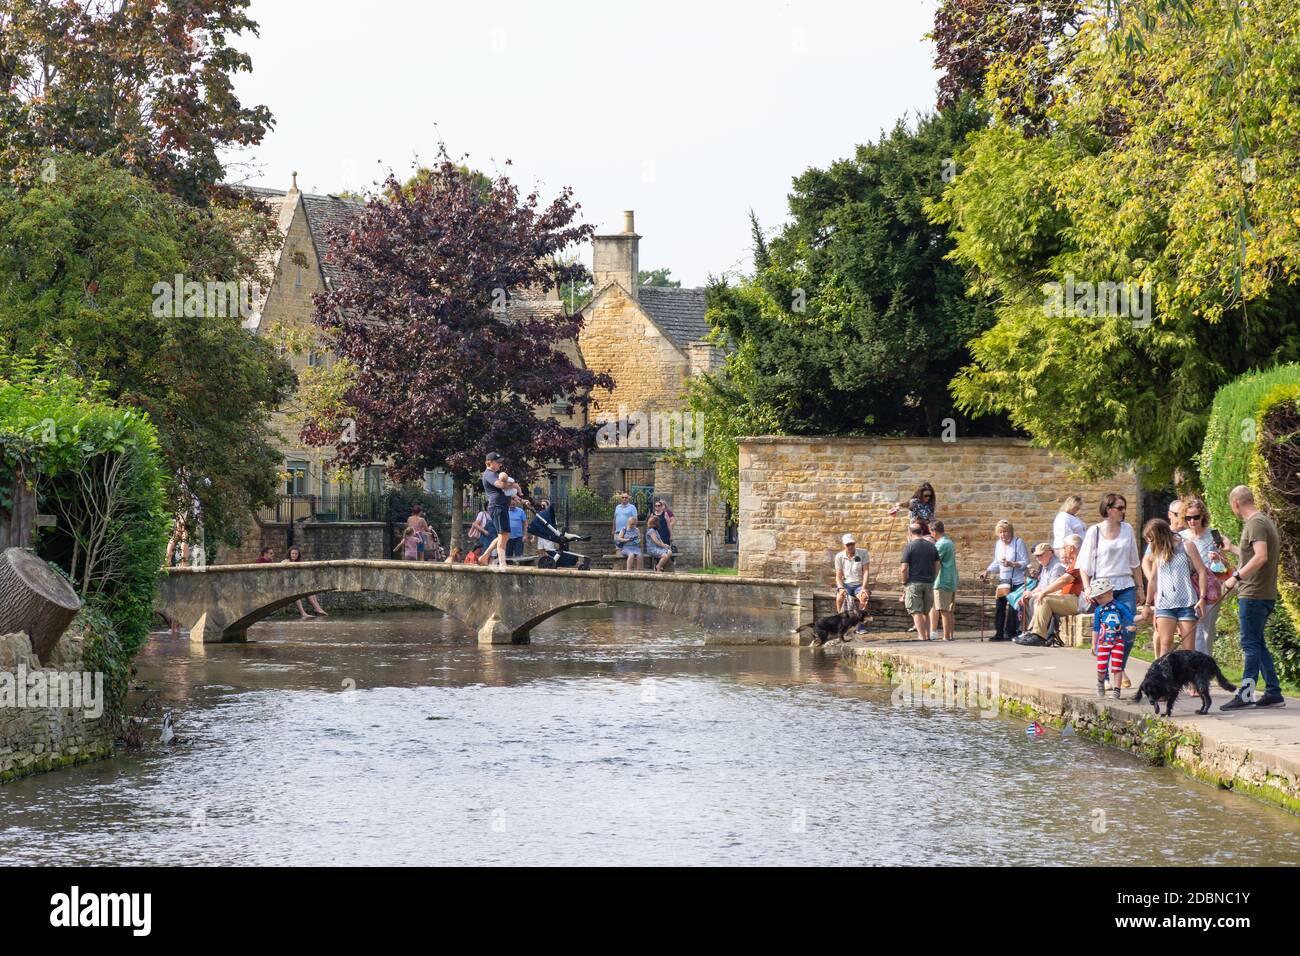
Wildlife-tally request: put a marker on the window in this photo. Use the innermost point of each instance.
(298, 471)
(374, 479)
(315, 359)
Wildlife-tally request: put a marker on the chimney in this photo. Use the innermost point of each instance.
(615, 258)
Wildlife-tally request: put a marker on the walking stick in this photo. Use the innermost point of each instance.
(984, 592)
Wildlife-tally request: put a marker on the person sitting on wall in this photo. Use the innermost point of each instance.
(655, 544)
(852, 568)
(629, 544)
(1059, 596)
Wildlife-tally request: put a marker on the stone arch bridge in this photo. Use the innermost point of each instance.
(219, 603)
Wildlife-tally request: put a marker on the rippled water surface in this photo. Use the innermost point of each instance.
(615, 737)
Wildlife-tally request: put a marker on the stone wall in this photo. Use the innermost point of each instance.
(38, 738)
(697, 509)
(799, 495)
(319, 541)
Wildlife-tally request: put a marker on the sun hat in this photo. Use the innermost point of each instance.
(1041, 548)
(1098, 587)
(848, 539)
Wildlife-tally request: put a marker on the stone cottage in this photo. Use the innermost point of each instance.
(650, 340)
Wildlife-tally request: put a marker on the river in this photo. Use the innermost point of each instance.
(615, 737)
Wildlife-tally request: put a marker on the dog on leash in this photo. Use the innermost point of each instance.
(835, 625)
(1168, 675)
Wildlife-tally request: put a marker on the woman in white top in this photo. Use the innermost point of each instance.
(1010, 561)
(1176, 587)
(1198, 531)
(1110, 551)
(1067, 522)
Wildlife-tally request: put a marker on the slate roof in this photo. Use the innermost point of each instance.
(324, 214)
(679, 313)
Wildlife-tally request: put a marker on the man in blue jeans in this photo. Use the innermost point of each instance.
(1255, 582)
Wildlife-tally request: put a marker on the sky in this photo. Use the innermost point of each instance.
(689, 113)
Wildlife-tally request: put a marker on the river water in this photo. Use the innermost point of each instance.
(615, 737)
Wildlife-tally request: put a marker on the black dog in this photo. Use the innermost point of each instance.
(1170, 674)
(835, 625)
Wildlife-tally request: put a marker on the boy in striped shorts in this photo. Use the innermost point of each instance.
(1110, 621)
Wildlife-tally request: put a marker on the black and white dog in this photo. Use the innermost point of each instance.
(1168, 675)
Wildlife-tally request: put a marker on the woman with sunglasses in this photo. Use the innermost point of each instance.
(1110, 551)
(1199, 532)
(921, 508)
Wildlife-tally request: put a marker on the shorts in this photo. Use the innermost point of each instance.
(852, 589)
(1178, 613)
(944, 599)
(500, 516)
(919, 597)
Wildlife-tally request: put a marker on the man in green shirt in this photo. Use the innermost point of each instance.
(945, 585)
(1255, 582)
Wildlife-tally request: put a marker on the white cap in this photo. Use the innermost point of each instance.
(848, 539)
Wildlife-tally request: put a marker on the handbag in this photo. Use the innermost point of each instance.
(1213, 588)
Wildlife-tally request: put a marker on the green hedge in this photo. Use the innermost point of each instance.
(59, 428)
(1243, 445)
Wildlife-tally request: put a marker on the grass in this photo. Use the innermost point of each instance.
(714, 569)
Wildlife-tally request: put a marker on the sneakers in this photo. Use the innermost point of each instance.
(1235, 704)
(1101, 688)
(1114, 693)
(1271, 700)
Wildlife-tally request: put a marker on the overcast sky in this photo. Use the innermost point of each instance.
(690, 113)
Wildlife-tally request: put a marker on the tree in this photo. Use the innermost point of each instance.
(1015, 49)
(660, 278)
(440, 367)
(148, 84)
(88, 267)
(1138, 183)
(854, 318)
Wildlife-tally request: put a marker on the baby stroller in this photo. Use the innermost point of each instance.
(543, 526)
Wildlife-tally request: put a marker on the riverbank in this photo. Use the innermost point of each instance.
(1253, 751)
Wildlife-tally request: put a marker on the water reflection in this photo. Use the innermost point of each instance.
(617, 736)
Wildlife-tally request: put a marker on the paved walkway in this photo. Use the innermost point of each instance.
(1254, 745)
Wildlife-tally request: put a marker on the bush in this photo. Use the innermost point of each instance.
(586, 505)
(97, 468)
(399, 503)
(1253, 439)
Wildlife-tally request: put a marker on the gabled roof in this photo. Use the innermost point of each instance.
(679, 313)
(326, 213)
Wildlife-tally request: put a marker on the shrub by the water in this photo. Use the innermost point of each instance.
(97, 469)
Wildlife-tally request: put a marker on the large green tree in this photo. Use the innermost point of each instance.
(1168, 164)
(854, 319)
(88, 262)
(148, 84)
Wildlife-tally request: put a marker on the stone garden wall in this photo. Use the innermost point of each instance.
(33, 737)
(799, 495)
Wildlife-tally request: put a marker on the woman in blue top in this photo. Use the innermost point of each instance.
(1010, 561)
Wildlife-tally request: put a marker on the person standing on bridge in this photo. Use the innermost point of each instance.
(497, 486)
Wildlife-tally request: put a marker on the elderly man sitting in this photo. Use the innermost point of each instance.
(1060, 595)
